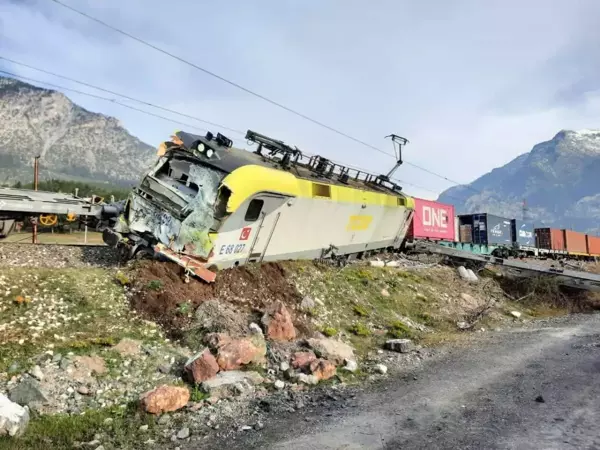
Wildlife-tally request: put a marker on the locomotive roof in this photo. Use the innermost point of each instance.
(231, 158)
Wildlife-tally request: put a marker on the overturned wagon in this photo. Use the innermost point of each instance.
(210, 206)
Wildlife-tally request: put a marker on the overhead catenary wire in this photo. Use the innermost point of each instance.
(14, 75)
(125, 96)
(250, 91)
(171, 120)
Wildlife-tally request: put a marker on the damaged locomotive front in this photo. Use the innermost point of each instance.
(175, 207)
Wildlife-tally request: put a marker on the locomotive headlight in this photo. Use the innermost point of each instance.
(200, 147)
(209, 152)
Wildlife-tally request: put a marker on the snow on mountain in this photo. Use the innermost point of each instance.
(558, 179)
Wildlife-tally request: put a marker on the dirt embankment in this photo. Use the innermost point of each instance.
(363, 304)
(162, 294)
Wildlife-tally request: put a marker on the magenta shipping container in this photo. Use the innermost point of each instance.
(433, 220)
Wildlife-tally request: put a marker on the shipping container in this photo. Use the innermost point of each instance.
(575, 242)
(550, 239)
(593, 245)
(522, 233)
(433, 220)
(489, 229)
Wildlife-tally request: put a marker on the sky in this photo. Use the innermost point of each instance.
(470, 84)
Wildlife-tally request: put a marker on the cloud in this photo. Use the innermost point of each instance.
(470, 85)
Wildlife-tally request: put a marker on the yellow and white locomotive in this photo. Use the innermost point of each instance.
(210, 206)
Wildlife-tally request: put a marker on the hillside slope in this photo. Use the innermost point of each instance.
(73, 142)
(558, 179)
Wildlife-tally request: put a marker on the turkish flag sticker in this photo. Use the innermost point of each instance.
(245, 233)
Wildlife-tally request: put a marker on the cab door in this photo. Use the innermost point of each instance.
(260, 223)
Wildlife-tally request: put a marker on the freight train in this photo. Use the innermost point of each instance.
(489, 234)
(208, 206)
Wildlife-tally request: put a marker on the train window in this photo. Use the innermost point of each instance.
(321, 190)
(401, 201)
(253, 211)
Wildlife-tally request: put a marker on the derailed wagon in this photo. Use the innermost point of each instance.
(210, 206)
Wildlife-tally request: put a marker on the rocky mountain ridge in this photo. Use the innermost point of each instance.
(73, 143)
(559, 181)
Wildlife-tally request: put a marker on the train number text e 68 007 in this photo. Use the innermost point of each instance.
(231, 249)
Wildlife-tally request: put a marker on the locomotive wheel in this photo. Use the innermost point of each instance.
(48, 220)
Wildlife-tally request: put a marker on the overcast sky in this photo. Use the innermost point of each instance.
(471, 84)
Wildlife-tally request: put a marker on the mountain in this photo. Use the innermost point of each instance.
(73, 143)
(558, 179)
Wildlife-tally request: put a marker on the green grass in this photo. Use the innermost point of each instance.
(155, 285)
(329, 331)
(356, 292)
(359, 330)
(60, 431)
(71, 310)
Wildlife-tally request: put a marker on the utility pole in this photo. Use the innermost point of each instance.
(36, 174)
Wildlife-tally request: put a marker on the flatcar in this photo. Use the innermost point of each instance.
(484, 233)
(210, 206)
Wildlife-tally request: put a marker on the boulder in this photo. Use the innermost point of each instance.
(255, 329)
(381, 368)
(202, 366)
(234, 353)
(27, 393)
(399, 345)
(278, 323)
(36, 372)
(385, 293)
(302, 360)
(233, 382)
(331, 349)
(307, 303)
(165, 398)
(376, 263)
(516, 314)
(307, 379)
(128, 347)
(322, 369)
(13, 418)
(351, 365)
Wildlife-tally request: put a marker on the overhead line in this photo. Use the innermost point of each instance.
(249, 91)
(83, 83)
(14, 75)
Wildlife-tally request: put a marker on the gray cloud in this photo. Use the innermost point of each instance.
(472, 85)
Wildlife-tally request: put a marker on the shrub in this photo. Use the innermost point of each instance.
(359, 329)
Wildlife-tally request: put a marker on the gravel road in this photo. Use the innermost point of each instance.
(531, 388)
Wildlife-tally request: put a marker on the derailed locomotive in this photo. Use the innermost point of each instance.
(210, 206)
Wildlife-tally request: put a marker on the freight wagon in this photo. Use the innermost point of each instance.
(488, 234)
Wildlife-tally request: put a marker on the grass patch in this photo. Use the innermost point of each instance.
(399, 330)
(359, 330)
(71, 310)
(198, 395)
(360, 310)
(61, 431)
(155, 285)
(329, 331)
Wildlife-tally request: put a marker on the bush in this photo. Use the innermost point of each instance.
(155, 285)
(399, 330)
(360, 330)
(329, 331)
(361, 311)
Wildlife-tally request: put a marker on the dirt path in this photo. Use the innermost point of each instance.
(481, 397)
